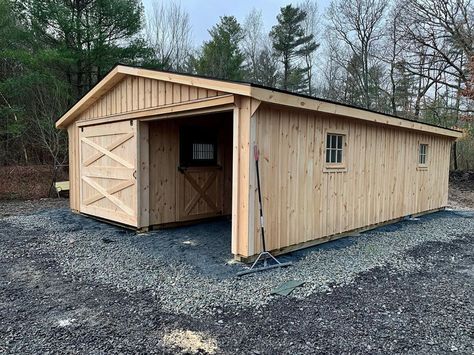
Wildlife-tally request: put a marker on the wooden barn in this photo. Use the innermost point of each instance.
(150, 148)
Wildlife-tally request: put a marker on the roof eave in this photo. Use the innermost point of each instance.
(280, 98)
(244, 89)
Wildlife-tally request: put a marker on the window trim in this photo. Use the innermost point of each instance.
(335, 167)
(423, 166)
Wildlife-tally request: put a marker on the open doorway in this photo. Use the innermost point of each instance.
(190, 168)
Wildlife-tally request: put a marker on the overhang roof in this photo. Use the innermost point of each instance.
(262, 93)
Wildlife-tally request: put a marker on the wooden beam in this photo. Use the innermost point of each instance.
(212, 84)
(143, 174)
(108, 172)
(109, 196)
(200, 112)
(254, 105)
(119, 187)
(285, 99)
(242, 237)
(235, 244)
(216, 103)
(108, 153)
(110, 147)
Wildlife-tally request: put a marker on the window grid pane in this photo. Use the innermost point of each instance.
(423, 152)
(334, 148)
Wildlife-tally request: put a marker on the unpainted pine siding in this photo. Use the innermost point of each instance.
(74, 179)
(166, 181)
(109, 184)
(382, 182)
(134, 94)
(131, 94)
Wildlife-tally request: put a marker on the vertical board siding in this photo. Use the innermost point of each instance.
(168, 189)
(382, 181)
(164, 161)
(137, 93)
(243, 197)
(74, 178)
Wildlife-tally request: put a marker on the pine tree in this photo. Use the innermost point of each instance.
(221, 56)
(90, 36)
(290, 43)
(52, 52)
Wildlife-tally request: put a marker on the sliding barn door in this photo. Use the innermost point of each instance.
(108, 171)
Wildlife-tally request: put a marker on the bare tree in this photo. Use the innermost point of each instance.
(169, 34)
(445, 29)
(311, 26)
(407, 63)
(46, 102)
(444, 32)
(391, 55)
(253, 42)
(359, 25)
(334, 69)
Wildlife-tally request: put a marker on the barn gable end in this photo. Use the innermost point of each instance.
(134, 94)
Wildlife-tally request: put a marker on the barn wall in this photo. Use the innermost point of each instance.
(134, 94)
(382, 182)
(165, 179)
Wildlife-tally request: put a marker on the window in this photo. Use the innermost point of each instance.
(334, 149)
(423, 154)
(198, 146)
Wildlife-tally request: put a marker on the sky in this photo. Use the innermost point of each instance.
(205, 13)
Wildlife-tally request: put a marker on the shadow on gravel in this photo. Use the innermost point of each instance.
(394, 227)
(206, 246)
(73, 222)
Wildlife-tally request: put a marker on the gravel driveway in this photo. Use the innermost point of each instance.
(73, 284)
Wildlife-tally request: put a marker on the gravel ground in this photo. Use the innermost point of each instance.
(15, 207)
(73, 284)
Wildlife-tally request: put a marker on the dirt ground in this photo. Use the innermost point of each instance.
(28, 182)
(427, 308)
(461, 190)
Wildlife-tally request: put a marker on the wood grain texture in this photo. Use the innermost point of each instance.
(74, 178)
(242, 211)
(135, 94)
(382, 181)
(108, 171)
(173, 195)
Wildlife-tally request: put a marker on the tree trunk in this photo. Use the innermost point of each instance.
(394, 88)
(455, 155)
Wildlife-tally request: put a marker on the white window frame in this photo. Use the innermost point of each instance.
(424, 165)
(335, 166)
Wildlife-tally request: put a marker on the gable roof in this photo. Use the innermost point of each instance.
(259, 92)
